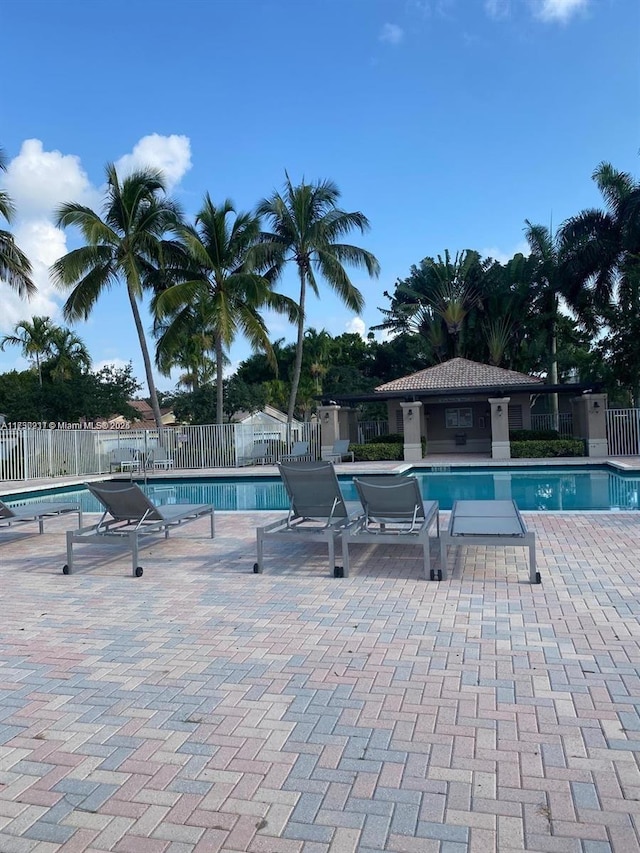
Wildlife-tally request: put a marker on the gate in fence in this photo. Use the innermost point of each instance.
(27, 454)
(623, 432)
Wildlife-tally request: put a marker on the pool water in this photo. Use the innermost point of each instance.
(543, 488)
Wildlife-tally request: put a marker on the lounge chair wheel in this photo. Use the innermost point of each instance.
(432, 575)
(538, 577)
(439, 574)
(338, 572)
(139, 572)
(65, 570)
(256, 569)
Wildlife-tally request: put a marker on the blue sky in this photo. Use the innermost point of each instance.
(446, 122)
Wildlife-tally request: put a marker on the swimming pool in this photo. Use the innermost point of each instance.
(541, 488)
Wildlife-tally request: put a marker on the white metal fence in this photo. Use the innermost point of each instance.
(623, 432)
(564, 425)
(27, 454)
(370, 430)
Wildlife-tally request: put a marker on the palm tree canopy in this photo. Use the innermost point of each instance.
(15, 267)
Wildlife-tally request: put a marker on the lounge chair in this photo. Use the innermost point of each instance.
(299, 452)
(497, 523)
(339, 451)
(124, 459)
(394, 513)
(317, 510)
(37, 511)
(261, 453)
(160, 459)
(129, 515)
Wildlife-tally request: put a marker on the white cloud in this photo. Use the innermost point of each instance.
(561, 11)
(503, 256)
(39, 181)
(170, 154)
(497, 9)
(357, 326)
(391, 34)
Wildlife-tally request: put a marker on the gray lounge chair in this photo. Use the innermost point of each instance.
(261, 453)
(394, 513)
(317, 510)
(339, 451)
(496, 523)
(37, 511)
(160, 459)
(129, 515)
(299, 452)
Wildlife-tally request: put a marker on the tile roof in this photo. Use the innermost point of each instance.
(458, 373)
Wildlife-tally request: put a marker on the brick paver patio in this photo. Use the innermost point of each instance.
(204, 708)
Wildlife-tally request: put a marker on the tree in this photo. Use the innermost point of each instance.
(603, 255)
(34, 338)
(306, 224)
(224, 284)
(68, 354)
(126, 245)
(15, 267)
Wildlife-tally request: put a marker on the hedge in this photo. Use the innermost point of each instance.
(546, 449)
(533, 435)
(378, 452)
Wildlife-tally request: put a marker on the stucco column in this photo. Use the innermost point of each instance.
(411, 420)
(329, 428)
(592, 419)
(500, 444)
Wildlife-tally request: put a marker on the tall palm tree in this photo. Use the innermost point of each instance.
(15, 267)
(67, 353)
(127, 244)
(34, 338)
(224, 283)
(306, 225)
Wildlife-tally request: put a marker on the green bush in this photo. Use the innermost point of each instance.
(390, 438)
(378, 452)
(533, 435)
(547, 449)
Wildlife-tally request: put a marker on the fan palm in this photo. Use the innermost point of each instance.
(15, 268)
(34, 339)
(127, 244)
(306, 224)
(224, 284)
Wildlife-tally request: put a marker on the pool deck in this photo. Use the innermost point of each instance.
(205, 709)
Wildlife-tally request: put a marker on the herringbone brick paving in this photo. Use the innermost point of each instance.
(202, 708)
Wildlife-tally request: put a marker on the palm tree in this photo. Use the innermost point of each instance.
(67, 353)
(34, 338)
(225, 285)
(306, 224)
(127, 244)
(15, 267)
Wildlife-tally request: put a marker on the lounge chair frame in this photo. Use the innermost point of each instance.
(339, 450)
(261, 453)
(299, 453)
(129, 515)
(317, 510)
(496, 523)
(394, 514)
(37, 511)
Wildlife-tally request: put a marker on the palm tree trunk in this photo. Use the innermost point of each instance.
(219, 386)
(146, 359)
(297, 367)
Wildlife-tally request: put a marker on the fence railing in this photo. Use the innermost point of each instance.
(27, 454)
(563, 424)
(623, 432)
(370, 430)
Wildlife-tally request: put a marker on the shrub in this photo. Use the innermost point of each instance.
(390, 438)
(378, 452)
(547, 449)
(533, 435)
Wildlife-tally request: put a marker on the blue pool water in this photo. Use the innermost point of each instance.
(543, 488)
